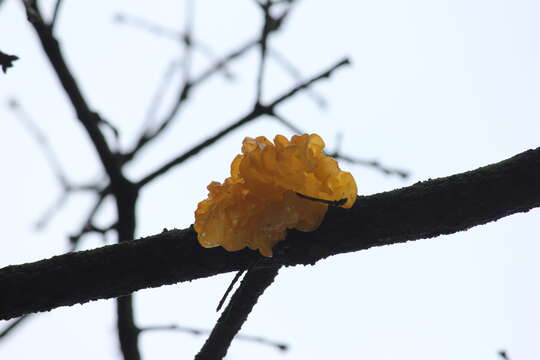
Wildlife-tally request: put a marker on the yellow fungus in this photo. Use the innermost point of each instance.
(267, 193)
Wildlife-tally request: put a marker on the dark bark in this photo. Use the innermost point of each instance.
(124, 192)
(6, 61)
(128, 333)
(424, 210)
(256, 281)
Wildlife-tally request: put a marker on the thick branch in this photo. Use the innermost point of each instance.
(424, 210)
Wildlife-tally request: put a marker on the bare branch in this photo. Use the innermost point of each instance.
(53, 209)
(53, 161)
(336, 154)
(310, 82)
(222, 63)
(271, 25)
(158, 96)
(287, 123)
(149, 135)
(127, 330)
(12, 326)
(6, 61)
(47, 150)
(88, 224)
(424, 210)
(229, 288)
(165, 32)
(292, 70)
(88, 118)
(266, 30)
(198, 332)
(370, 163)
(255, 113)
(235, 315)
(188, 41)
(56, 11)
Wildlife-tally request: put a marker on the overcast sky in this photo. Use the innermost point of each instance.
(437, 87)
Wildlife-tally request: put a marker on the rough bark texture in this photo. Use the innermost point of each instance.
(423, 210)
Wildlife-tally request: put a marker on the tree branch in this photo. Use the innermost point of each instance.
(266, 30)
(124, 192)
(6, 61)
(88, 118)
(172, 34)
(56, 11)
(198, 331)
(148, 135)
(336, 154)
(257, 111)
(424, 210)
(295, 73)
(235, 315)
(12, 326)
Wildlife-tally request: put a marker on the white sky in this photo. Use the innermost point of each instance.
(437, 87)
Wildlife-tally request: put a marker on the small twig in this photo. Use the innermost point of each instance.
(147, 136)
(61, 200)
(308, 83)
(287, 123)
(55, 14)
(255, 113)
(198, 332)
(256, 281)
(109, 126)
(85, 114)
(6, 61)
(338, 155)
(48, 214)
(335, 203)
(87, 224)
(229, 288)
(222, 63)
(266, 30)
(147, 25)
(188, 41)
(165, 32)
(281, 60)
(54, 163)
(370, 163)
(13, 325)
(158, 96)
(41, 139)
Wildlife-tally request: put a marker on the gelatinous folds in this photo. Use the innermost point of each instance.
(259, 201)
